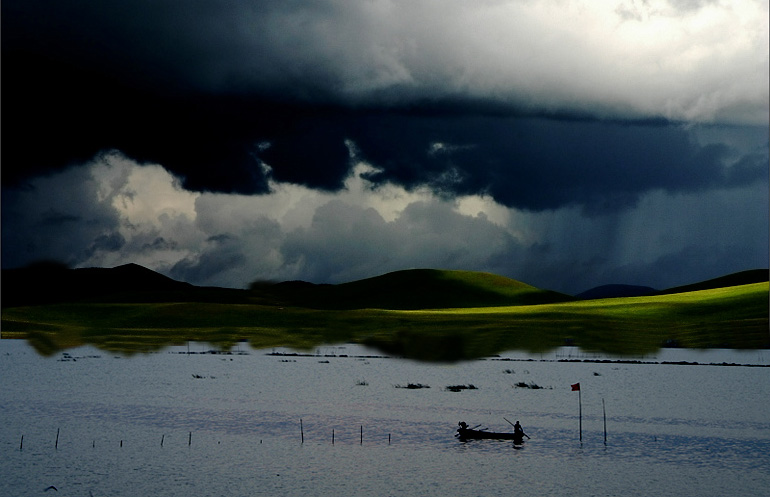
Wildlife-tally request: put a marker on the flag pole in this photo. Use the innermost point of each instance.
(576, 386)
(580, 415)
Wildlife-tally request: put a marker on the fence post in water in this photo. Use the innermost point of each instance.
(604, 411)
(332, 436)
(21, 444)
(56, 445)
(189, 440)
(388, 438)
(161, 439)
(362, 434)
(301, 432)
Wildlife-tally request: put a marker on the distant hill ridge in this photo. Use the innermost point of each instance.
(735, 279)
(48, 283)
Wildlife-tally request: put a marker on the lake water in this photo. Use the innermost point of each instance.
(334, 423)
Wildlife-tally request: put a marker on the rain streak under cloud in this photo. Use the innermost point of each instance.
(565, 144)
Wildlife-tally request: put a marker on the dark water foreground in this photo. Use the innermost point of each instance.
(336, 423)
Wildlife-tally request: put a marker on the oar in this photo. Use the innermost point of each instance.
(515, 426)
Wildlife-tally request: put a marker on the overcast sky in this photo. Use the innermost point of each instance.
(566, 144)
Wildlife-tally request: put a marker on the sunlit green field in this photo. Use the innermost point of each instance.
(732, 317)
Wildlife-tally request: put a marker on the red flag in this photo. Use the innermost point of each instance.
(576, 387)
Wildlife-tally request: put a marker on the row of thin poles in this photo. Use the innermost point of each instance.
(189, 437)
(58, 430)
(361, 434)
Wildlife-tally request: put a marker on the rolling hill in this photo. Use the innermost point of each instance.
(399, 290)
(416, 289)
(408, 289)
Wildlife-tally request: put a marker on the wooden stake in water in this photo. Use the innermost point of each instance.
(21, 444)
(301, 432)
(56, 445)
(163, 437)
(332, 436)
(604, 411)
(362, 434)
(189, 439)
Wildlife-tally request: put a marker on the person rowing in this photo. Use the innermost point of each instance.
(518, 430)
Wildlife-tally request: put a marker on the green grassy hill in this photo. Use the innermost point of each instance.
(731, 317)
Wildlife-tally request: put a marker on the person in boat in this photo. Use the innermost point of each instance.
(463, 429)
(519, 431)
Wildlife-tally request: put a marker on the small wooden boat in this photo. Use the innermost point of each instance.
(465, 433)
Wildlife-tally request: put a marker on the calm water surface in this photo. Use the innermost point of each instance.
(335, 423)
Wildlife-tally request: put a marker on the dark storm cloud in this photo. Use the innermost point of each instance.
(541, 164)
(110, 242)
(159, 243)
(54, 218)
(60, 218)
(210, 264)
(216, 91)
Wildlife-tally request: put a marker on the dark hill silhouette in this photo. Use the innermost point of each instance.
(614, 291)
(127, 278)
(734, 279)
(50, 282)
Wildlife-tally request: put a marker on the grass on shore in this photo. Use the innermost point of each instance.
(731, 317)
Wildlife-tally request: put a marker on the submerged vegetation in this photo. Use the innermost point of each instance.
(412, 386)
(729, 317)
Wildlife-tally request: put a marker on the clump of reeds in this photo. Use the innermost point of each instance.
(457, 388)
(531, 385)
